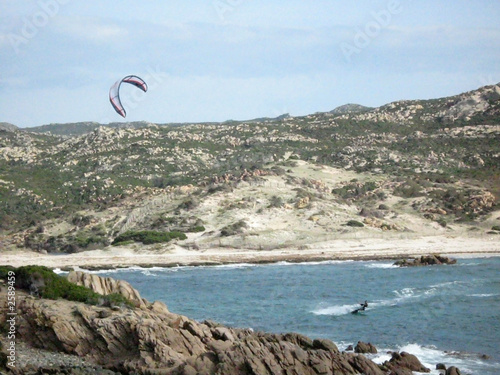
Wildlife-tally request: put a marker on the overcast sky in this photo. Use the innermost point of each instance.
(215, 60)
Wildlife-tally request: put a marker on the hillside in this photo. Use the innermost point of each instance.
(5, 126)
(81, 128)
(407, 168)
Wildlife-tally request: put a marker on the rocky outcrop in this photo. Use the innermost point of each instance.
(426, 260)
(441, 366)
(363, 347)
(107, 285)
(453, 371)
(153, 340)
(403, 364)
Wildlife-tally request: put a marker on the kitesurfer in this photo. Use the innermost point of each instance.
(364, 305)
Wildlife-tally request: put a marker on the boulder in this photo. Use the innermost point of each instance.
(325, 344)
(441, 366)
(453, 371)
(362, 347)
(404, 363)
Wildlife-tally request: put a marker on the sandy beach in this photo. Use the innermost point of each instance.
(361, 249)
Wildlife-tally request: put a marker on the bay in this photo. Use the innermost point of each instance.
(442, 314)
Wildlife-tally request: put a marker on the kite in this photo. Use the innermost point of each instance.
(114, 92)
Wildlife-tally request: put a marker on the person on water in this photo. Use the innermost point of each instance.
(364, 305)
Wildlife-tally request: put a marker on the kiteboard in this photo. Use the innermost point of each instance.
(358, 312)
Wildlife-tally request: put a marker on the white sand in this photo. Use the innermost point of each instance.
(340, 249)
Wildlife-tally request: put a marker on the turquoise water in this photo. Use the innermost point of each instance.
(448, 314)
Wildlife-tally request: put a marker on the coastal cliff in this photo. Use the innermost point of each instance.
(148, 339)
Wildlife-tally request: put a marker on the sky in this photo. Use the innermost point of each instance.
(215, 60)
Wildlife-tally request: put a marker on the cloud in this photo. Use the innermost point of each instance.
(3, 40)
(91, 29)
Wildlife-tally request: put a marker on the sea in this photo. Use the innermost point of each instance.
(446, 314)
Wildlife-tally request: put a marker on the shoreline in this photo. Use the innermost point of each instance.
(338, 250)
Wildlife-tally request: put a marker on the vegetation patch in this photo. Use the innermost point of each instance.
(148, 237)
(355, 223)
(235, 228)
(275, 202)
(355, 190)
(409, 189)
(188, 204)
(197, 229)
(43, 282)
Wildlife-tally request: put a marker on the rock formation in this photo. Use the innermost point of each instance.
(427, 260)
(403, 364)
(363, 347)
(453, 371)
(107, 286)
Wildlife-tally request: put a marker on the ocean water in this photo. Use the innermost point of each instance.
(442, 314)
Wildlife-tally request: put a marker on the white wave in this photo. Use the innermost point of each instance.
(59, 271)
(315, 263)
(324, 262)
(148, 273)
(404, 293)
(401, 297)
(483, 295)
(449, 283)
(335, 310)
(144, 270)
(430, 356)
(381, 265)
(233, 266)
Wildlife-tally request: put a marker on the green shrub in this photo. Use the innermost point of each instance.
(82, 240)
(42, 281)
(355, 189)
(275, 202)
(442, 222)
(123, 243)
(81, 220)
(231, 230)
(188, 204)
(409, 189)
(196, 229)
(303, 193)
(4, 271)
(496, 227)
(148, 237)
(355, 223)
